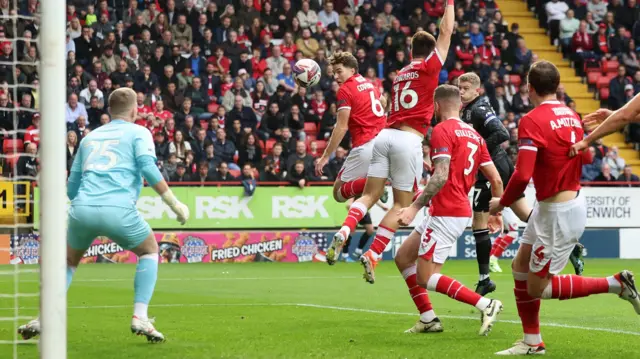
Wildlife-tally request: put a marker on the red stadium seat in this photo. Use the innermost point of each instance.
(235, 173)
(11, 161)
(603, 82)
(604, 93)
(212, 107)
(610, 66)
(593, 77)
(515, 79)
(12, 146)
(204, 125)
(590, 69)
(321, 145)
(270, 143)
(310, 128)
(406, 30)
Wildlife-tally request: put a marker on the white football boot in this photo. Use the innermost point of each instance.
(489, 316)
(146, 328)
(522, 348)
(629, 291)
(434, 326)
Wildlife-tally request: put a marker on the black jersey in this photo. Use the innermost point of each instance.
(481, 116)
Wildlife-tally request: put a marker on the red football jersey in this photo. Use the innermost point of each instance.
(412, 93)
(551, 129)
(467, 151)
(367, 116)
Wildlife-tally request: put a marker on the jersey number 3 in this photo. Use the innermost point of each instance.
(101, 149)
(474, 149)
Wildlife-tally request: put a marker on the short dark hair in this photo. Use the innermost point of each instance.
(345, 59)
(422, 44)
(544, 77)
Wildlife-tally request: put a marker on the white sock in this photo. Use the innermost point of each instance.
(614, 285)
(493, 258)
(483, 303)
(140, 310)
(484, 276)
(532, 339)
(427, 316)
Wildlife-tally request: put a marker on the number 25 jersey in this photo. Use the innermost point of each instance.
(412, 93)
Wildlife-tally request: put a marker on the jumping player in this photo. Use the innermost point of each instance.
(104, 185)
(478, 112)
(397, 153)
(364, 239)
(545, 137)
(458, 151)
(361, 111)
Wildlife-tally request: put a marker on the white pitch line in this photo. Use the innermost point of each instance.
(346, 309)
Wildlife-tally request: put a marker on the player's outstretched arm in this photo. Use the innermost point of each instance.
(446, 30)
(340, 129)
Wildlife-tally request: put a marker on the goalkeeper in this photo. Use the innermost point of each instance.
(104, 186)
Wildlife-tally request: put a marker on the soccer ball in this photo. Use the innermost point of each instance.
(306, 72)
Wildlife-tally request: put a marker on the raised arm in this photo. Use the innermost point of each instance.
(446, 30)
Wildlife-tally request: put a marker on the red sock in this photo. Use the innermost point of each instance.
(353, 188)
(454, 289)
(356, 212)
(573, 286)
(383, 237)
(528, 308)
(501, 244)
(418, 294)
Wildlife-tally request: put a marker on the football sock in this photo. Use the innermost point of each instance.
(502, 242)
(144, 283)
(483, 250)
(356, 212)
(70, 272)
(363, 241)
(572, 286)
(352, 189)
(528, 310)
(382, 239)
(418, 294)
(455, 290)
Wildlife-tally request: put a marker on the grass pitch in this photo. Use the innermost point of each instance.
(311, 310)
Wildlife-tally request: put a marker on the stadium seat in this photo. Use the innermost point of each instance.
(11, 161)
(235, 173)
(212, 107)
(603, 81)
(310, 128)
(593, 77)
(406, 30)
(609, 66)
(604, 93)
(204, 125)
(270, 143)
(321, 145)
(12, 146)
(515, 79)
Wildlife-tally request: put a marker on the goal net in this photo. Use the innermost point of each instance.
(32, 153)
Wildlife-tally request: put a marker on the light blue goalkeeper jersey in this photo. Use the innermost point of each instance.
(107, 158)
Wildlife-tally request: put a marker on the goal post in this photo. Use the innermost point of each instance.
(53, 181)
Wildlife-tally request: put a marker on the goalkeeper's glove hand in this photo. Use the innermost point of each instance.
(180, 209)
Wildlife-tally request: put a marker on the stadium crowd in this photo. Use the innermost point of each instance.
(215, 83)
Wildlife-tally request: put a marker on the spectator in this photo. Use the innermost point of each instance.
(488, 52)
(209, 156)
(198, 96)
(568, 26)
(185, 78)
(276, 160)
(244, 114)
(627, 176)
(308, 45)
(199, 144)
(306, 16)
(286, 78)
(74, 109)
(617, 88)
(521, 102)
(379, 33)
(260, 100)
(223, 174)
(465, 51)
(162, 147)
(600, 149)
(249, 151)
(556, 11)
(328, 16)
(598, 8)
(299, 155)
(258, 64)
(298, 176)
(524, 57)
(336, 163)
(179, 146)
(182, 33)
(270, 173)
(248, 180)
(170, 167)
(562, 95)
(224, 149)
(94, 112)
(189, 129)
(228, 100)
(592, 170)
(27, 166)
(269, 81)
(32, 133)
(477, 37)
(614, 161)
(180, 175)
(273, 121)
(605, 176)
(386, 16)
(203, 174)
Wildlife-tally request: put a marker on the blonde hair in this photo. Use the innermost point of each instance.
(471, 78)
(121, 102)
